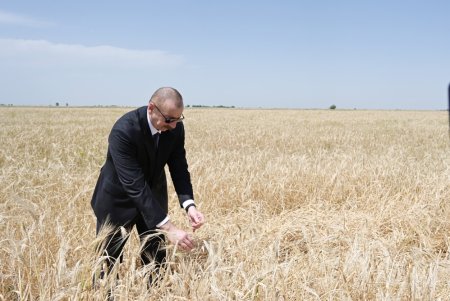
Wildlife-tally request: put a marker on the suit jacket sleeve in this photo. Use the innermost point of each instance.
(131, 175)
(178, 168)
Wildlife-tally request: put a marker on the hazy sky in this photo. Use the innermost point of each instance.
(289, 54)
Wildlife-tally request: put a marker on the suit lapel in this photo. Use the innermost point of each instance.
(147, 138)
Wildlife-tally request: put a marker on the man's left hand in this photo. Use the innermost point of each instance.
(195, 217)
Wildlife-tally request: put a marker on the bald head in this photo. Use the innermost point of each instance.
(167, 93)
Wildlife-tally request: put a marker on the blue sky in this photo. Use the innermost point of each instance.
(285, 54)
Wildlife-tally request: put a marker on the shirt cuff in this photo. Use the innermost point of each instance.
(187, 203)
(163, 222)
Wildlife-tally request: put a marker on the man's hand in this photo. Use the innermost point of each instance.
(178, 236)
(195, 217)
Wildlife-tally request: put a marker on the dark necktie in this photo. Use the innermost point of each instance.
(156, 139)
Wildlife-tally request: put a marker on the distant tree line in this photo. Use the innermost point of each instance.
(205, 106)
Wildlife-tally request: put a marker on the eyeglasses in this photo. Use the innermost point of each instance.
(169, 120)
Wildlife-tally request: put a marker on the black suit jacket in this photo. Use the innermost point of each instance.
(133, 180)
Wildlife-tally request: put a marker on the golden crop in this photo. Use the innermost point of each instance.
(300, 205)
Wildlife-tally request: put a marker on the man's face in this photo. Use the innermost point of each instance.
(166, 110)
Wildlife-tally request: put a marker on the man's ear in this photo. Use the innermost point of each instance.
(150, 106)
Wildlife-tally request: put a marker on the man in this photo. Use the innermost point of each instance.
(132, 189)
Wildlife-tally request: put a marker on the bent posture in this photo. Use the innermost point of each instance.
(132, 189)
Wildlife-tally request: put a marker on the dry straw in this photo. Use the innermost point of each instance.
(300, 205)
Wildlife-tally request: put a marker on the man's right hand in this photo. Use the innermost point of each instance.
(178, 236)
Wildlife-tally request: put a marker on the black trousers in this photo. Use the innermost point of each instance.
(152, 244)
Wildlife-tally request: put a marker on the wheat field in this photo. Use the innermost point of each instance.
(300, 205)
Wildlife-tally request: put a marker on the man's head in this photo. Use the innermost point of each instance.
(165, 108)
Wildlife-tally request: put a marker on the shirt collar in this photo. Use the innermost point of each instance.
(152, 128)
